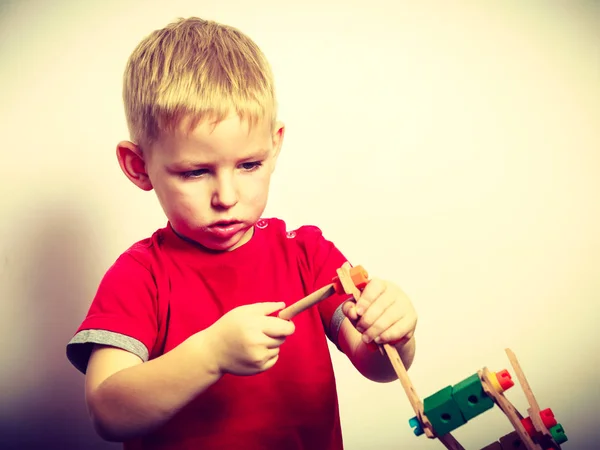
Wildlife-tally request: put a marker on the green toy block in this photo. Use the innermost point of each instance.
(470, 397)
(442, 411)
(558, 434)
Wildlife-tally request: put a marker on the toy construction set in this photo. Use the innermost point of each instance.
(454, 405)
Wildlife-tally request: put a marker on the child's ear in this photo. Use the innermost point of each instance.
(133, 165)
(278, 135)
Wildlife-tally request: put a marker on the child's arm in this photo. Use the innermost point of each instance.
(367, 358)
(127, 398)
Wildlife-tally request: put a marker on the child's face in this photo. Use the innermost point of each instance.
(213, 184)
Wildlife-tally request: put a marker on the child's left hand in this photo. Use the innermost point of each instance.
(383, 313)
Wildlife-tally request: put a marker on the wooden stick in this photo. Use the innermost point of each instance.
(534, 408)
(303, 304)
(402, 374)
(390, 351)
(448, 440)
(522, 381)
(508, 409)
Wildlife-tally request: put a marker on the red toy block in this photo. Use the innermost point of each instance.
(548, 420)
(528, 425)
(547, 417)
(505, 379)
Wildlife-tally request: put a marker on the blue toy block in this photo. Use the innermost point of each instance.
(414, 423)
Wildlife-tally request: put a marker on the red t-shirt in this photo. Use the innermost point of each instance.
(164, 289)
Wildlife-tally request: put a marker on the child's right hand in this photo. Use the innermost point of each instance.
(246, 340)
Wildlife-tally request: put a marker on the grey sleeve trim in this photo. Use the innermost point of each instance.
(80, 346)
(335, 325)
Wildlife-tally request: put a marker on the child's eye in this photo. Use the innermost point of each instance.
(194, 173)
(249, 166)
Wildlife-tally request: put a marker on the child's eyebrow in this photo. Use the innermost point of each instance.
(261, 153)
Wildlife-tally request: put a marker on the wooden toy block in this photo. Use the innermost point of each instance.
(511, 441)
(443, 412)
(546, 442)
(471, 398)
(493, 446)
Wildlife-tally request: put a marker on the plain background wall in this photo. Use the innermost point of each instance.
(453, 147)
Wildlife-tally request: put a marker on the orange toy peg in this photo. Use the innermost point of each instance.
(359, 276)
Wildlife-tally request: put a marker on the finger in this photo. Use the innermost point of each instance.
(265, 360)
(377, 307)
(349, 310)
(271, 362)
(403, 340)
(275, 327)
(374, 289)
(266, 308)
(375, 311)
(272, 353)
(274, 343)
(401, 330)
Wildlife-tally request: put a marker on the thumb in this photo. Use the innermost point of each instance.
(349, 310)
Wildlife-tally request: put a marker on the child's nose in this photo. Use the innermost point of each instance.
(225, 195)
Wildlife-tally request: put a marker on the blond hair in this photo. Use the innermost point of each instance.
(192, 70)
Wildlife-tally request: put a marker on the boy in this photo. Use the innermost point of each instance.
(182, 347)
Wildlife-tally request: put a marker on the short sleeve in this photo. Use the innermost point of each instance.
(319, 261)
(122, 314)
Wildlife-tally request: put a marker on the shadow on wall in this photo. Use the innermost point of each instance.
(49, 280)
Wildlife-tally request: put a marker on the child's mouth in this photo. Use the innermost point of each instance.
(225, 224)
(226, 229)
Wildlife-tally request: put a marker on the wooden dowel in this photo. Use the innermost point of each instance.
(403, 377)
(303, 304)
(394, 357)
(508, 409)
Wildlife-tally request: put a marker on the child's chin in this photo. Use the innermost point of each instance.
(223, 246)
